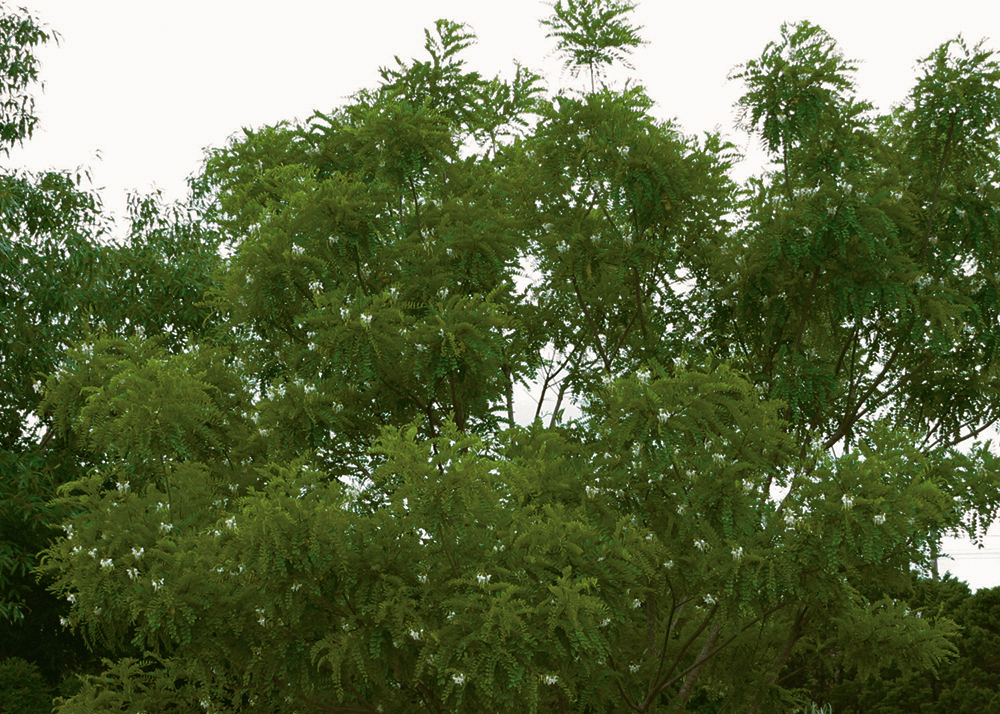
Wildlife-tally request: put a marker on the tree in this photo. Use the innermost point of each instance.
(593, 33)
(63, 276)
(966, 684)
(323, 502)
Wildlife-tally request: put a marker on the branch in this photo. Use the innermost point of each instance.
(583, 307)
(668, 682)
(786, 651)
(685, 693)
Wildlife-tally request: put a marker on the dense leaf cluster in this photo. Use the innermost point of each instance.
(292, 478)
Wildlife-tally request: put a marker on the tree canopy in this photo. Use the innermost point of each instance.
(303, 488)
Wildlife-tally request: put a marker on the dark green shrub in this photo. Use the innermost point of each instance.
(22, 688)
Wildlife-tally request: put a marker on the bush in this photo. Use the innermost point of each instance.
(22, 688)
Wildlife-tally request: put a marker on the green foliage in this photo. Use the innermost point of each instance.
(305, 490)
(967, 683)
(593, 33)
(62, 279)
(22, 688)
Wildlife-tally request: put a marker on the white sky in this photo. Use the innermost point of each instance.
(148, 85)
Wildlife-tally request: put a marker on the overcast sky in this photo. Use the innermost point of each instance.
(136, 89)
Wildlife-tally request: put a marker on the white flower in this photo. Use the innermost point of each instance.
(93, 552)
(747, 486)
(848, 502)
(63, 621)
(550, 679)
(107, 563)
(231, 522)
(204, 704)
(605, 622)
(69, 532)
(562, 247)
(459, 679)
(422, 578)
(781, 119)
(132, 573)
(137, 552)
(642, 376)
(669, 564)
(663, 416)
(633, 668)
(483, 579)
(298, 249)
(344, 313)
(790, 519)
(880, 519)
(701, 545)
(637, 603)
(831, 210)
(607, 379)
(71, 598)
(738, 553)
(414, 634)
(680, 509)
(157, 583)
(709, 599)
(122, 486)
(166, 527)
(547, 227)
(315, 286)
(366, 319)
